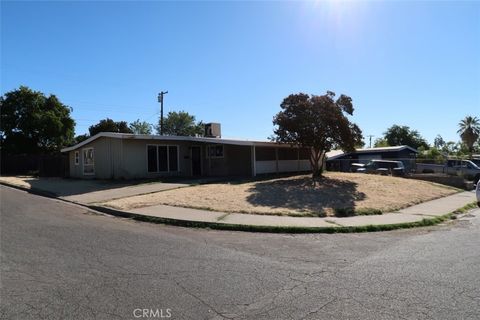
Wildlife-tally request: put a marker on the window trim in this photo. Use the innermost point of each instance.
(158, 158)
(215, 157)
(76, 157)
(92, 164)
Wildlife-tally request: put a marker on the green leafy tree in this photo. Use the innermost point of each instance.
(432, 155)
(319, 123)
(360, 145)
(402, 135)
(181, 124)
(141, 127)
(80, 138)
(381, 142)
(451, 147)
(108, 125)
(469, 130)
(438, 142)
(31, 122)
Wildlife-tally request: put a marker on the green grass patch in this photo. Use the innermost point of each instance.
(466, 208)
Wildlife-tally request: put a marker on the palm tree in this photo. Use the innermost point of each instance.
(469, 131)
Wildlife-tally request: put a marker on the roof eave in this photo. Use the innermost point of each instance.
(173, 138)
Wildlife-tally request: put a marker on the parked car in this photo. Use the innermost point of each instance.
(476, 161)
(355, 166)
(384, 167)
(464, 168)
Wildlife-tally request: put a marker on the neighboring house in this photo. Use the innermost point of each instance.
(340, 161)
(109, 155)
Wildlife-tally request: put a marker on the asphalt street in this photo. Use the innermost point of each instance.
(61, 261)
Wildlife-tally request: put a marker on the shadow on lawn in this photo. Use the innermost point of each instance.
(302, 195)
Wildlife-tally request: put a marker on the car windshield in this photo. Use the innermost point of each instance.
(370, 164)
(472, 165)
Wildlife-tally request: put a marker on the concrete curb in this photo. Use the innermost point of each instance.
(271, 229)
(251, 228)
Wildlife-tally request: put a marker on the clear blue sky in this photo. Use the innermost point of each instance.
(408, 63)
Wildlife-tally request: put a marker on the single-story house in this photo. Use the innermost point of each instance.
(109, 155)
(338, 160)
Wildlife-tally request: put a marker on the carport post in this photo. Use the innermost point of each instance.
(276, 160)
(254, 167)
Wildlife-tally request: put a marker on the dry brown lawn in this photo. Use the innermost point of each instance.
(296, 195)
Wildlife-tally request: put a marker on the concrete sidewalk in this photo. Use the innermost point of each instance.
(434, 208)
(434, 211)
(123, 192)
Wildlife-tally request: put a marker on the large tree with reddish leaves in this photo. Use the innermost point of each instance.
(317, 122)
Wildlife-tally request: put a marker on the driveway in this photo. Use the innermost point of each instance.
(60, 261)
(122, 191)
(92, 191)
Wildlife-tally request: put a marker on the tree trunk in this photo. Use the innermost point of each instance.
(316, 161)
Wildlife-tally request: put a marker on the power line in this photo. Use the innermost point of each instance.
(104, 107)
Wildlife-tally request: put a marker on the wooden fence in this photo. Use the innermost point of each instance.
(44, 165)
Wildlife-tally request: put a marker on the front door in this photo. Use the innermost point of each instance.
(196, 161)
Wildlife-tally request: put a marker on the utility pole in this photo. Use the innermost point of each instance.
(370, 137)
(160, 99)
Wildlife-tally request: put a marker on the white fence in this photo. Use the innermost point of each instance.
(262, 167)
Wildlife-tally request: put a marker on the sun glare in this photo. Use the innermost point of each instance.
(343, 18)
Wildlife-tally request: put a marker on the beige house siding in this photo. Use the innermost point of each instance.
(135, 158)
(126, 158)
(102, 165)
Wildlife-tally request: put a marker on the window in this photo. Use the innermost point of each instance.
(152, 159)
(215, 151)
(88, 161)
(77, 158)
(162, 158)
(173, 158)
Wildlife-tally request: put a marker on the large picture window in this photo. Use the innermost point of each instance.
(162, 158)
(152, 158)
(173, 158)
